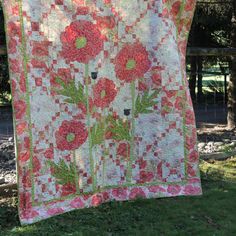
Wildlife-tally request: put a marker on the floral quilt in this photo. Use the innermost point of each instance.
(102, 109)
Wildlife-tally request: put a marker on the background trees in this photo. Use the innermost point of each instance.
(232, 83)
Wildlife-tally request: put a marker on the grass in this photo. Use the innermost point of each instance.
(214, 213)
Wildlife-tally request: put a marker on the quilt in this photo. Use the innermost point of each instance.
(101, 105)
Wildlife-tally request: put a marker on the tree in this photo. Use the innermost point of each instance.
(210, 28)
(231, 119)
(4, 77)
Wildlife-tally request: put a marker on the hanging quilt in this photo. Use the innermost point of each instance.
(101, 104)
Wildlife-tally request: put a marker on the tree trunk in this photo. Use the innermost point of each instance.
(192, 79)
(199, 79)
(231, 119)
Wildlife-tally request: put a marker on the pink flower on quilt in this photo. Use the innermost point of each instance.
(20, 109)
(77, 203)
(123, 150)
(192, 190)
(12, 46)
(190, 142)
(26, 179)
(71, 135)
(132, 62)
(120, 193)
(55, 211)
(145, 176)
(193, 156)
(189, 117)
(25, 201)
(21, 128)
(104, 92)
(175, 8)
(13, 29)
(96, 200)
(36, 165)
(179, 103)
(49, 153)
(22, 83)
(40, 48)
(137, 192)
(191, 171)
(189, 5)
(81, 41)
(24, 156)
(39, 64)
(14, 65)
(68, 189)
(82, 10)
(173, 189)
(157, 188)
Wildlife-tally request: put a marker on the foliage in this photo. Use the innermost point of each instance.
(75, 95)
(145, 102)
(63, 173)
(97, 133)
(119, 128)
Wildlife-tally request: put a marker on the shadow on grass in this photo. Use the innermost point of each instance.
(210, 214)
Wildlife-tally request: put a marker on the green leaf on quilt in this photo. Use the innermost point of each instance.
(119, 128)
(97, 133)
(145, 102)
(75, 94)
(63, 173)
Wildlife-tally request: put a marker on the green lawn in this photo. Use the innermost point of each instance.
(214, 213)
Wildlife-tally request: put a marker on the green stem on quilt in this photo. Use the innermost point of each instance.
(89, 131)
(104, 153)
(129, 171)
(25, 57)
(76, 173)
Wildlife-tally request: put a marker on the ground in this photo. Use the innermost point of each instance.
(213, 213)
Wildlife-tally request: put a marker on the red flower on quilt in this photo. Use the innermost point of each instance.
(104, 92)
(36, 165)
(81, 11)
(145, 176)
(96, 200)
(120, 193)
(20, 109)
(22, 83)
(26, 179)
(105, 22)
(71, 135)
(77, 203)
(137, 192)
(15, 66)
(192, 190)
(68, 189)
(123, 150)
(175, 8)
(13, 29)
(81, 41)
(173, 189)
(132, 62)
(40, 48)
(64, 74)
(55, 211)
(12, 46)
(189, 117)
(189, 5)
